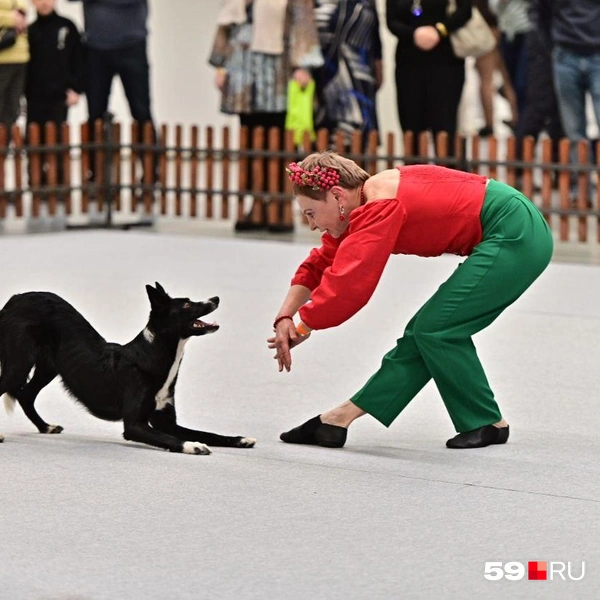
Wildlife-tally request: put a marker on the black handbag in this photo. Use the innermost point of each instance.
(8, 37)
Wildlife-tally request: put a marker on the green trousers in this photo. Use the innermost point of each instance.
(516, 247)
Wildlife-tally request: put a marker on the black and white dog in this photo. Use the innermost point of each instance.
(134, 382)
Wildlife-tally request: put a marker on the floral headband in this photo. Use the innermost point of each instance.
(320, 178)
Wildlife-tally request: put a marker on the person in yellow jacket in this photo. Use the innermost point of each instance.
(13, 60)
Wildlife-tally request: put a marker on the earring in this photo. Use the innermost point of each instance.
(342, 217)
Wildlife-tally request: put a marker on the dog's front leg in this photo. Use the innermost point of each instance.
(165, 420)
(142, 432)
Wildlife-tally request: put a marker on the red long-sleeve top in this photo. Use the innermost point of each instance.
(436, 211)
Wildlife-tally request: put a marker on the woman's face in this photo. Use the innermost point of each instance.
(324, 215)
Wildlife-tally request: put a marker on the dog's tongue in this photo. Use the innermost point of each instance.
(198, 324)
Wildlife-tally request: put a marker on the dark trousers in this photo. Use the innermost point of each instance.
(541, 108)
(132, 67)
(12, 85)
(428, 98)
(514, 53)
(42, 113)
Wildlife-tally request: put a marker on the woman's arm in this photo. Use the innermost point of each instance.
(286, 336)
(397, 12)
(220, 50)
(460, 16)
(349, 283)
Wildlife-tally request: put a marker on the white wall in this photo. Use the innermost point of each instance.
(181, 35)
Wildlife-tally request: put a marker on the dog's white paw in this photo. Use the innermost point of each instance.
(54, 429)
(195, 448)
(246, 442)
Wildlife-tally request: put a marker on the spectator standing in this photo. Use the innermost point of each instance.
(487, 66)
(514, 23)
(429, 76)
(572, 31)
(541, 108)
(116, 35)
(115, 39)
(55, 69)
(258, 46)
(347, 84)
(13, 61)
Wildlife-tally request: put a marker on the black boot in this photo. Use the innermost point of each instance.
(479, 438)
(317, 433)
(247, 224)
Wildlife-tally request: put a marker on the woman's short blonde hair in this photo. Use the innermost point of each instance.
(351, 175)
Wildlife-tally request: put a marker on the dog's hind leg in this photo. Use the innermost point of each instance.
(165, 420)
(44, 373)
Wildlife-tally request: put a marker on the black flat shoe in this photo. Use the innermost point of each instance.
(480, 438)
(317, 433)
(248, 225)
(280, 228)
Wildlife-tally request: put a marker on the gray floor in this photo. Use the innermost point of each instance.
(395, 514)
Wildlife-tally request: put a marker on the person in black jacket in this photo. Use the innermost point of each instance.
(429, 77)
(55, 69)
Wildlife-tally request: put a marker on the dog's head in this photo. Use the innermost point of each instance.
(180, 316)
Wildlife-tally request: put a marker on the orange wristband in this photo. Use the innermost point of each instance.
(302, 329)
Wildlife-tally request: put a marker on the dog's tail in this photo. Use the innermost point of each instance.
(9, 403)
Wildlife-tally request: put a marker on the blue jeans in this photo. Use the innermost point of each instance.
(575, 75)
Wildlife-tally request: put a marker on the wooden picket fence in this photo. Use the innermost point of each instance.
(187, 173)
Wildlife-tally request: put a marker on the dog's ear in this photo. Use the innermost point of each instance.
(158, 297)
(160, 288)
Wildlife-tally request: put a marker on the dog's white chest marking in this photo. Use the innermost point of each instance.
(164, 397)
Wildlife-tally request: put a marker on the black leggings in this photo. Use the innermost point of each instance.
(428, 98)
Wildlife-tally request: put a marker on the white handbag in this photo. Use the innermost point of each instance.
(474, 38)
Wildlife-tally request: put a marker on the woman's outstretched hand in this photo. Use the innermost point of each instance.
(286, 337)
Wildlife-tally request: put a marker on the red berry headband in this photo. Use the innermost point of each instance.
(320, 178)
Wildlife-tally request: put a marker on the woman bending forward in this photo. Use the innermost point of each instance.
(424, 210)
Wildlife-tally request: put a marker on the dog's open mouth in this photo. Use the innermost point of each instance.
(205, 327)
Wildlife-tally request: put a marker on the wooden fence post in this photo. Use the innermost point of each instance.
(99, 164)
(547, 180)
(50, 158)
(3, 155)
(564, 187)
(149, 166)
(583, 188)
(511, 155)
(225, 173)
(390, 148)
(116, 165)
(242, 170)
(85, 166)
(17, 138)
(162, 167)
(194, 174)
(35, 167)
(67, 194)
(275, 176)
(528, 154)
